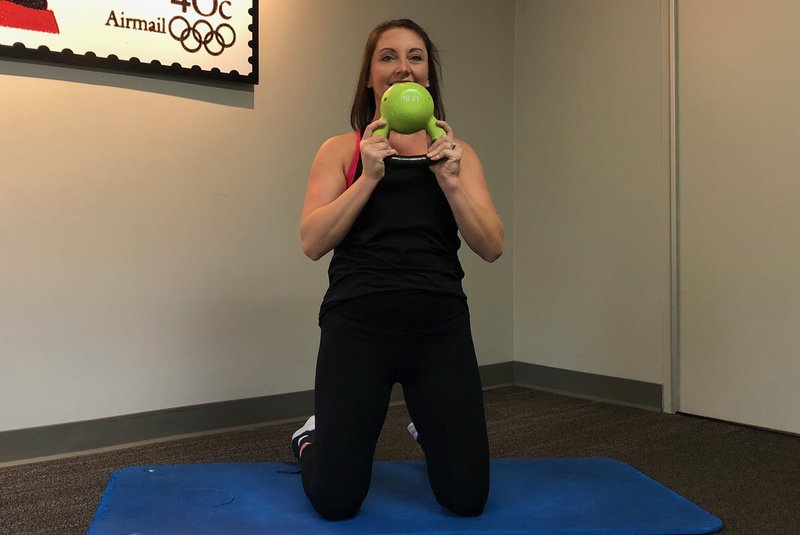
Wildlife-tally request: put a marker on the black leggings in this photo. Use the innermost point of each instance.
(423, 341)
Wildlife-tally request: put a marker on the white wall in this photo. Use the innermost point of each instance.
(149, 227)
(592, 188)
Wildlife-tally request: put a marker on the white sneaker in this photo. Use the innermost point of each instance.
(303, 435)
(413, 431)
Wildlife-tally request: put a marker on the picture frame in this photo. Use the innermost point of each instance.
(208, 39)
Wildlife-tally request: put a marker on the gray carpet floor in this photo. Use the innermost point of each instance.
(748, 477)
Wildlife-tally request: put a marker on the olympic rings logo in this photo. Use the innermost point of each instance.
(202, 34)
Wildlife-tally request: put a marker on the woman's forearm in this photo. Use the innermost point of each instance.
(325, 227)
(480, 226)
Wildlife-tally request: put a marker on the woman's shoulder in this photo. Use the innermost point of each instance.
(340, 144)
(336, 154)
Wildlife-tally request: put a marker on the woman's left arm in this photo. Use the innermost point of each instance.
(460, 175)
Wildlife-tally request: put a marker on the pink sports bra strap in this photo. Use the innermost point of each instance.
(351, 173)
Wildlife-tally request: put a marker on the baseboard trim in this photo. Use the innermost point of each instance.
(131, 428)
(53, 440)
(590, 386)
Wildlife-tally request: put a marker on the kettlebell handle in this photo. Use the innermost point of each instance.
(434, 130)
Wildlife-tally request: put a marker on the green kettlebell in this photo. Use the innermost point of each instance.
(407, 107)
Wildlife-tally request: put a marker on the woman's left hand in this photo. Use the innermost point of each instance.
(446, 154)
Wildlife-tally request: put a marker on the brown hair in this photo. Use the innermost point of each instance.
(363, 111)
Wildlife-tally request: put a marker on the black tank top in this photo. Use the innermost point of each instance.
(405, 238)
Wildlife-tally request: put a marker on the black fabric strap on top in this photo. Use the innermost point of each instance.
(409, 161)
(399, 161)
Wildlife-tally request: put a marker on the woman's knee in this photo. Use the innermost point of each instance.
(337, 507)
(464, 502)
(340, 495)
(461, 488)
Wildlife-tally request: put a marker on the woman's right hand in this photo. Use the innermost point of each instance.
(373, 151)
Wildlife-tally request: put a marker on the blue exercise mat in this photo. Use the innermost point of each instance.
(534, 496)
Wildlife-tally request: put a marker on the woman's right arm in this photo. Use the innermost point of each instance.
(330, 208)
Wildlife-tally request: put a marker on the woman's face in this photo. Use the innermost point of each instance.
(399, 56)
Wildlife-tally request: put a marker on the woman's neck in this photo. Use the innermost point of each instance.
(409, 144)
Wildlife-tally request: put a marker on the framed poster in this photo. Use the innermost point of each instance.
(213, 39)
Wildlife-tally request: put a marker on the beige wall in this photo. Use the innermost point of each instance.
(592, 187)
(739, 90)
(149, 227)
